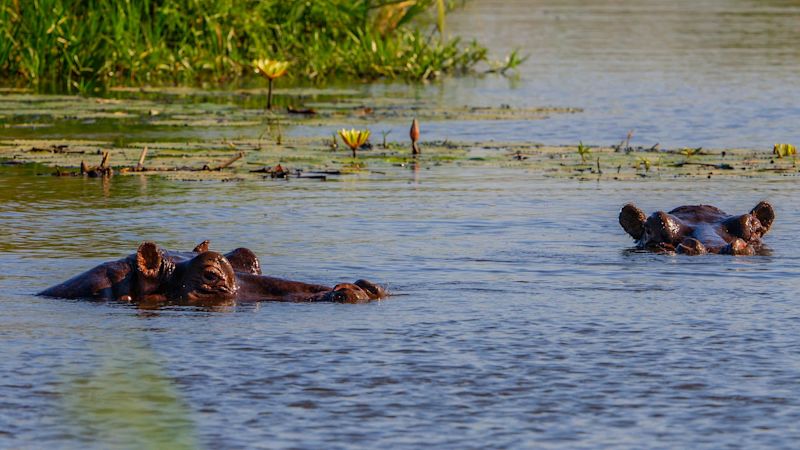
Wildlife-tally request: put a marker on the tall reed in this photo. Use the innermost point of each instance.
(87, 45)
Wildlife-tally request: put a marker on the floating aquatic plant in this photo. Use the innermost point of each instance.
(332, 144)
(689, 152)
(583, 151)
(512, 61)
(384, 134)
(641, 161)
(781, 150)
(270, 69)
(354, 138)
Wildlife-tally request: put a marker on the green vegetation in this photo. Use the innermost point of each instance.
(89, 45)
(512, 61)
(583, 152)
(197, 139)
(644, 162)
(689, 152)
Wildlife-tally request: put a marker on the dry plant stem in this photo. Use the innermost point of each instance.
(230, 161)
(102, 170)
(142, 156)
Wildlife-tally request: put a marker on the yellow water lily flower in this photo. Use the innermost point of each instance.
(354, 138)
(270, 68)
(782, 150)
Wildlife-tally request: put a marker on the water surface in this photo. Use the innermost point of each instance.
(711, 73)
(520, 319)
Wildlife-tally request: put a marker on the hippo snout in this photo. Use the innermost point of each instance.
(336, 297)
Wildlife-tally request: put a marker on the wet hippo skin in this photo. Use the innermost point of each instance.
(153, 276)
(699, 229)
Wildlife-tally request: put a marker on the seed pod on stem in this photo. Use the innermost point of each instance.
(414, 135)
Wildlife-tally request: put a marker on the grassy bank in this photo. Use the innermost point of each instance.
(89, 45)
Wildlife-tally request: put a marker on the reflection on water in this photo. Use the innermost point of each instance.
(711, 72)
(126, 402)
(521, 317)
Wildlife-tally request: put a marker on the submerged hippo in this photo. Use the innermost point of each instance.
(698, 229)
(153, 276)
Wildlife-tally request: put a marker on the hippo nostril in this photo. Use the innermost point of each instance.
(738, 247)
(661, 228)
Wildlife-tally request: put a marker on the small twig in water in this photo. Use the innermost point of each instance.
(225, 164)
(142, 156)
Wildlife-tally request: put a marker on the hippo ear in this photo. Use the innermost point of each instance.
(201, 247)
(149, 259)
(632, 220)
(765, 214)
(373, 290)
(244, 260)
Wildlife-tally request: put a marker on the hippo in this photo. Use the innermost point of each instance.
(153, 276)
(698, 229)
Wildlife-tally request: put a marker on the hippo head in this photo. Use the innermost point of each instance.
(206, 279)
(698, 229)
(359, 292)
(659, 231)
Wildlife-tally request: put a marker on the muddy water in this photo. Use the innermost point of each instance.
(520, 319)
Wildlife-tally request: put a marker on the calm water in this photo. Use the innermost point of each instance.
(519, 320)
(713, 73)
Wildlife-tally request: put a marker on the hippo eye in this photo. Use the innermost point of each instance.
(210, 276)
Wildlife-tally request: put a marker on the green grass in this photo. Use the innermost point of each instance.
(89, 45)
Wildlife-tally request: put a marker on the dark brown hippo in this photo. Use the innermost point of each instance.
(698, 229)
(152, 277)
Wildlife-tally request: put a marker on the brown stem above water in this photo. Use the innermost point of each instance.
(269, 95)
(414, 135)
